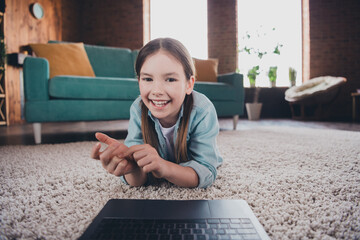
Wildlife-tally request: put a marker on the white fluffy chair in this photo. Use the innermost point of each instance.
(312, 95)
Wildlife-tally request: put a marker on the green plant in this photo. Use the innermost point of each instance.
(292, 74)
(251, 47)
(277, 49)
(260, 53)
(272, 74)
(252, 73)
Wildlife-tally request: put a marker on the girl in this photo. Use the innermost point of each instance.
(172, 129)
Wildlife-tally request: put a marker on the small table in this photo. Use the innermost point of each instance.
(354, 96)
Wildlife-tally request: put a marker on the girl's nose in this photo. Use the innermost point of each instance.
(157, 88)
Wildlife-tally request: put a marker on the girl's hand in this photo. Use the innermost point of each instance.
(113, 158)
(148, 159)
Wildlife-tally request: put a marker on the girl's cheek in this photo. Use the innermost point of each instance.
(142, 89)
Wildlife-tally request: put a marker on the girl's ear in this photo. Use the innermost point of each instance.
(190, 85)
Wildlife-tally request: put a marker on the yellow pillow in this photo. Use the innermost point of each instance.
(206, 70)
(65, 59)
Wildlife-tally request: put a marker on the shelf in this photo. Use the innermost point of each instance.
(2, 74)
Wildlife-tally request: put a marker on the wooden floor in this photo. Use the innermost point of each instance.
(53, 133)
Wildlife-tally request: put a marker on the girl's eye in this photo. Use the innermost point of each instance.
(171, 80)
(147, 79)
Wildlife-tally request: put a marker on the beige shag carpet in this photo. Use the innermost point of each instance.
(301, 184)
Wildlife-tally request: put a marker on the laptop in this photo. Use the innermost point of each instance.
(175, 220)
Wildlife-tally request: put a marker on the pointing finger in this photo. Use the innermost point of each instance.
(104, 138)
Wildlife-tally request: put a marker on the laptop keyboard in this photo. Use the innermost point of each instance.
(198, 229)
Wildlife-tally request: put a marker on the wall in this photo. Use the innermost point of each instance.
(21, 28)
(222, 33)
(334, 37)
(106, 22)
(335, 49)
(111, 23)
(331, 35)
(72, 20)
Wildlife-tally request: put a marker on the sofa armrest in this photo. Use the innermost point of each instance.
(235, 79)
(36, 79)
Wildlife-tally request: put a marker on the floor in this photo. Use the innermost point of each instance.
(53, 133)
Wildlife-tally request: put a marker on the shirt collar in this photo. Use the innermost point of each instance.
(177, 121)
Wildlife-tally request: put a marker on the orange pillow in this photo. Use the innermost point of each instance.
(65, 59)
(206, 70)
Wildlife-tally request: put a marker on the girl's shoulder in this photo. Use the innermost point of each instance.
(203, 117)
(201, 102)
(136, 104)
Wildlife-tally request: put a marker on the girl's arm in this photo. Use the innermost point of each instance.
(136, 178)
(181, 176)
(203, 154)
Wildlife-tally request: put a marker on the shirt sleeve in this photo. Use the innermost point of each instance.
(202, 147)
(134, 136)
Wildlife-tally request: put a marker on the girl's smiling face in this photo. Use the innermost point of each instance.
(163, 86)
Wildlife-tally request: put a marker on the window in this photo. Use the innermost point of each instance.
(263, 25)
(184, 20)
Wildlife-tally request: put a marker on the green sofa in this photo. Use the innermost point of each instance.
(109, 95)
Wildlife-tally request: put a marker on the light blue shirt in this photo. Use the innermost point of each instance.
(203, 153)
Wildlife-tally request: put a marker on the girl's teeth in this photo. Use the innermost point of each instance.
(159, 103)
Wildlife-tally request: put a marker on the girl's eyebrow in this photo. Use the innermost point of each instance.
(165, 74)
(171, 74)
(146, 74)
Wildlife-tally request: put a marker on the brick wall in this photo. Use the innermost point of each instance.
(106, 22)
(72, 14)
(222, 33)
(121, 24)
(335, 47)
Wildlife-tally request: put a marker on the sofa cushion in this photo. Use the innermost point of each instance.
(111, 61)
(69, 87)
(206, 70)
(65, 59)
(217, 91)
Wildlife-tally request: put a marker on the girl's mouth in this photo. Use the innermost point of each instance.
(159, 103)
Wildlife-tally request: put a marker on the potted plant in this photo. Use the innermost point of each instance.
(253, 108)
(272, 74)
(292, 76)
(252, 73)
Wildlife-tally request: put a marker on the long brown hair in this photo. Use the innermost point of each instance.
(176, 49)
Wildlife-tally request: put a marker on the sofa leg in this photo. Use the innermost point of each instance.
(235, 121)
(37, 132)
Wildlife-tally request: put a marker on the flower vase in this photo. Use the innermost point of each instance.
(253, 110)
